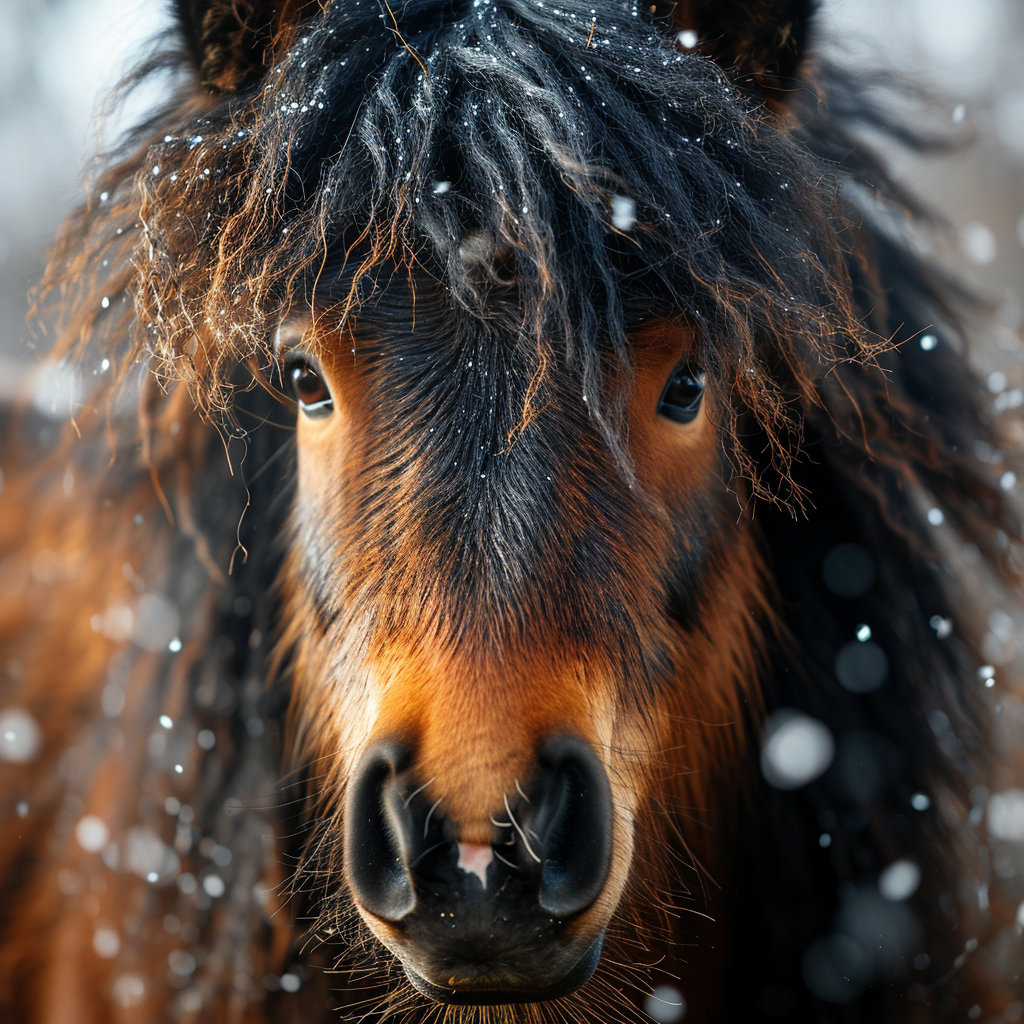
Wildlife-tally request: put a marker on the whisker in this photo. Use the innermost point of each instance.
(430, 814)
(427, 851)
(417, 791)
(522, 834)
(509, 863)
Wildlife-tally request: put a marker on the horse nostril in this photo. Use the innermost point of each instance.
(573, 826)
(377, 831)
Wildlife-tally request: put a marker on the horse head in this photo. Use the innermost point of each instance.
(509, 247)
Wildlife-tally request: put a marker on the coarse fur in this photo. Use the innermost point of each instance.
(422, 199)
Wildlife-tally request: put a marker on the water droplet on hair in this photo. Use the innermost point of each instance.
(623, 213)
(1006, 815)
(181, 962)
(979, 243)
(797, 749)
(213, 885)
(106, 943)
(899, 881)
(848, 570)
(20, 736)
(92, 833)
(129, 990)
(665, 1004)
(861, 666)
(996, 382)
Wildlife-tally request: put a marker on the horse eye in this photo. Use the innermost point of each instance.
(312, 394)
(680, 401)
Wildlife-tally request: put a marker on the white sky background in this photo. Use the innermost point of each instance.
(59, 58)
(58, 61)
(971, 54)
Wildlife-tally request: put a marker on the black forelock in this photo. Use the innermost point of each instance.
(520, 122)
(566, 145)
(537, 115)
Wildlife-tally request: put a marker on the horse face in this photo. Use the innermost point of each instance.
(503, 611)
(496, 629)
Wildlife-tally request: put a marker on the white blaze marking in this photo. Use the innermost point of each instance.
(474, 858)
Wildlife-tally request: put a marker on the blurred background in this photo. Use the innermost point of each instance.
(60, 58)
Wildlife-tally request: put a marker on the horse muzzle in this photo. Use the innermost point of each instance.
(483, 924)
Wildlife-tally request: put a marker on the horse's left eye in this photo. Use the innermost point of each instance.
(312, 394)
(680, 401)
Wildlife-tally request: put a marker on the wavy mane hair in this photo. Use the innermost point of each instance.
(309, 156)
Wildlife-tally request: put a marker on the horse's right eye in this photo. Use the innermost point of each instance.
(311, 392)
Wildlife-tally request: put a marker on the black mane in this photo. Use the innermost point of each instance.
(537, 119)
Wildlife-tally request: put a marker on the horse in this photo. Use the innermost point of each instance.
(526, 541)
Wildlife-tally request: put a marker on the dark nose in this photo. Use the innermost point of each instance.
(557, 832)
(551, 851)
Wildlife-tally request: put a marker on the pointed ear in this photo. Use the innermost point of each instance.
(233, 42)
(761, 43)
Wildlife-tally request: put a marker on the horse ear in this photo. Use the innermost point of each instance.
(760, 42)
(233, 42)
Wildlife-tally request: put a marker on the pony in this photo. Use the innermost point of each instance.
(526, 543)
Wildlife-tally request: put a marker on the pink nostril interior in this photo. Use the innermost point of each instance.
(474, 858)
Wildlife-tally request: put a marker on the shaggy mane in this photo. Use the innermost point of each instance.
(226, 215)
